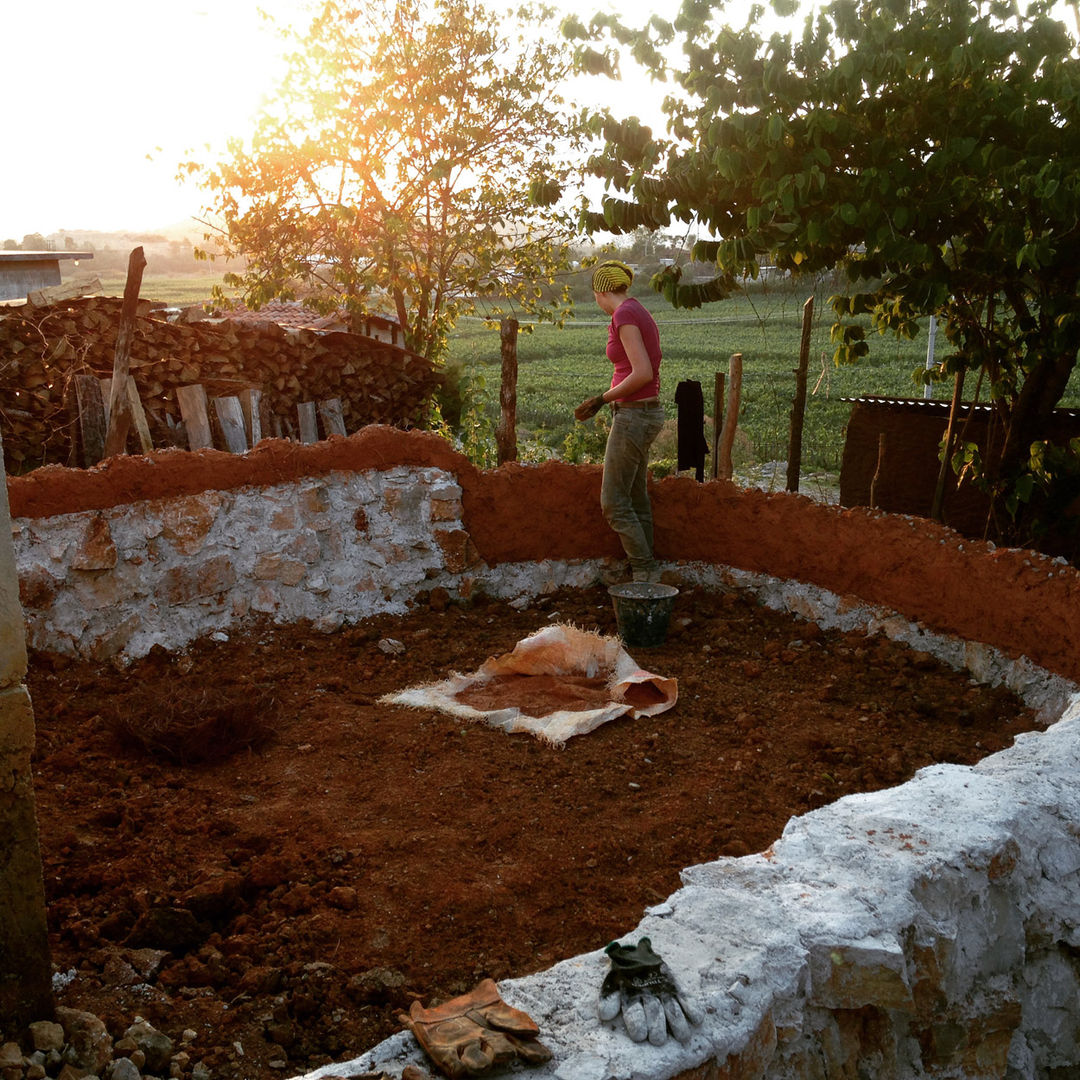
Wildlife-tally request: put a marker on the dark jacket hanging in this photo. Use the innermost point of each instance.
(693, 446)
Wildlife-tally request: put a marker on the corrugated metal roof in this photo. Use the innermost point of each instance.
(933, 406)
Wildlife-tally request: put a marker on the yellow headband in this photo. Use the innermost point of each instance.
(611, 276)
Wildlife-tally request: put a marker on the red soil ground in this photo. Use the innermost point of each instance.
(241, 841)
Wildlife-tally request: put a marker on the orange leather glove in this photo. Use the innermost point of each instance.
(472, 1033)
(590, 407)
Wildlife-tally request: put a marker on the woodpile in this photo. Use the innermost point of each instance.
(281, 378)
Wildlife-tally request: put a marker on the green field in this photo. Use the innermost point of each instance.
(559, 368)
(176, 290)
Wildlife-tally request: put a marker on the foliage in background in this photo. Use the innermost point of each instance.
(928, 148)
(405, 164)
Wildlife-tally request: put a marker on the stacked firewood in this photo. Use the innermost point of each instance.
(44, 349)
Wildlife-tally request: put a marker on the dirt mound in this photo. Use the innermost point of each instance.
(285, 895)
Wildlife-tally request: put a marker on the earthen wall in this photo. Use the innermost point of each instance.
(930, 929)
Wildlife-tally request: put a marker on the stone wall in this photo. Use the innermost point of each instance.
(928, 930)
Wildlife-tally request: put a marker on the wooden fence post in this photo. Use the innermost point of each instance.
(937, 507)
(798, 406)
(717, 421)
(506, 432)
(731, 415)
(119, 404)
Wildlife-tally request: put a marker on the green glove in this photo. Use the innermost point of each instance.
(641, 986)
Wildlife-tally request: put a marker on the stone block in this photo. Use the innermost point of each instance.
(459, 551)
(278, 568)
(16, 735)
(189, 581)
(186, 521)
(96, 549)
(849, 975)
(37, 586)
(284, 519)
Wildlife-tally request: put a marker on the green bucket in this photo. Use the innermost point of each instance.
(643, 611)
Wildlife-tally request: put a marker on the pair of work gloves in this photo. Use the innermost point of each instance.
(473, 1033)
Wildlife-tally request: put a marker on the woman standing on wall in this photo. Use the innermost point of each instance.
(633, 347)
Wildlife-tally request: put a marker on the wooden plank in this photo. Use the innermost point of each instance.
(309, 425)
(120, 414)
(332, 418)
(92, 423)
(192, 401)
(138, 413)
(82, 285)
(251, 403)
(231, 418)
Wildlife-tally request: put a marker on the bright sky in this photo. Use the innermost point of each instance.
(103, 99)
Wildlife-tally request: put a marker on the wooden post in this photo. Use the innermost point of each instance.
(937, 507)
(798, 406)
(877, 470)
(506, 432)
(332, 418)
(192, 401)
(717, 420)
(250, 402)
(230, 417)
(120, 415)
(138, 413)
(92, 422)
(731, 415)
(309, 424)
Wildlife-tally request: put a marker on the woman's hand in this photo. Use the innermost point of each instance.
(589, 407)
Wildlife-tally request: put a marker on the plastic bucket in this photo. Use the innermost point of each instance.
(643, 611)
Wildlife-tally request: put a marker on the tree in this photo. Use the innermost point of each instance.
(410, 159)
(928, 148)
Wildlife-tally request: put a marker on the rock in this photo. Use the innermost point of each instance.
(11, 1056)
(156, 1045)
(45, 1035)
(147, 962)
(343, 897)
(215, 897)
(174, 929)
(122, 1069)
(377, 985)
(391, 646)
(36, 1072)
(89, 1044)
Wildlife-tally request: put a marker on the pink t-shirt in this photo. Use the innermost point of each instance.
(631, 313)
